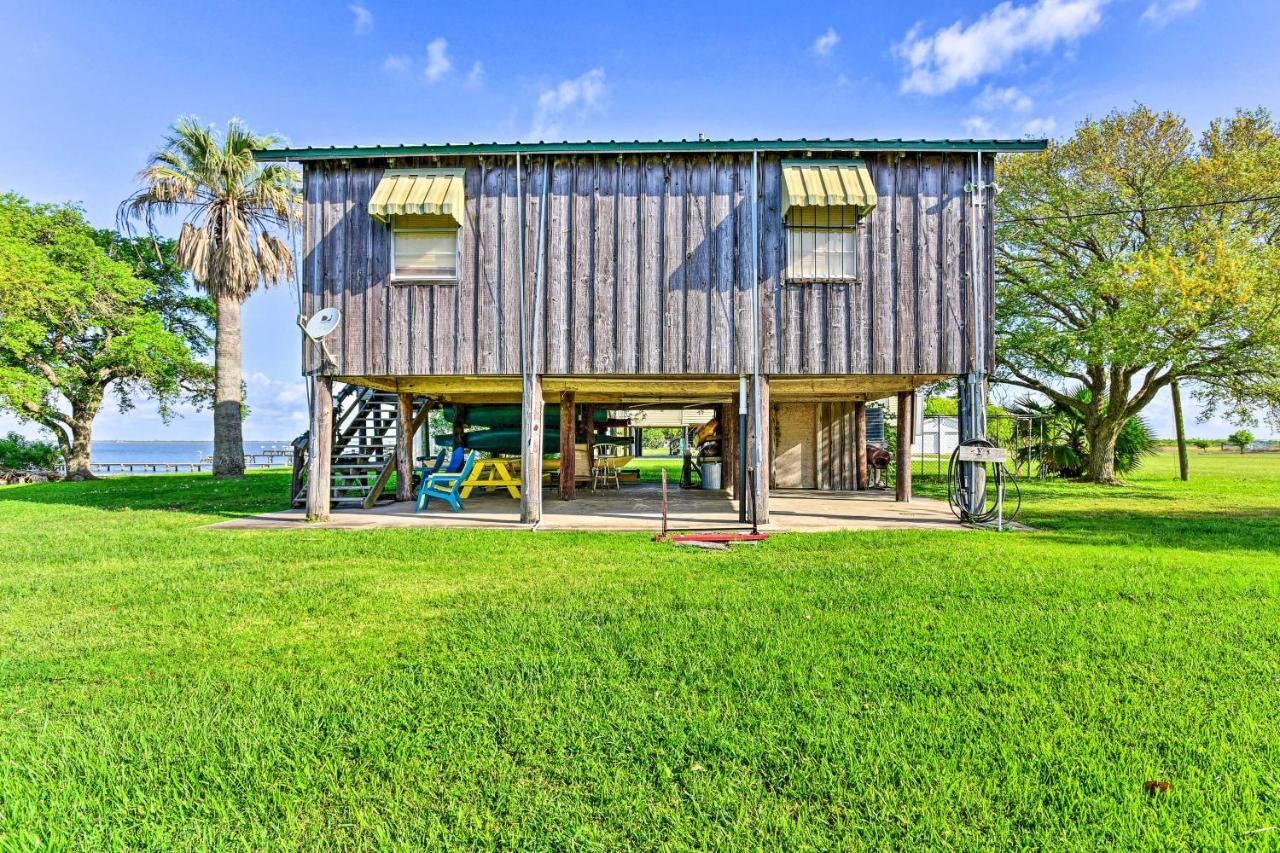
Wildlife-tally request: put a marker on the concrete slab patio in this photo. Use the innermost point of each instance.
(637, 508)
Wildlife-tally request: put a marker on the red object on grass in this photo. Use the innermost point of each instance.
(718, 537)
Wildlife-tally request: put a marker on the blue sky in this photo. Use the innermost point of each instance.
(88, 89)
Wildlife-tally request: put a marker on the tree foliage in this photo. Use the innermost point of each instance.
(76, 321)
(1160, 287)
(1066, 448)
(21, 453)
(233, 209)
(1241, 438)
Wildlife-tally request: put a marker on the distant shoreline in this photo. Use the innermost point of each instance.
(186, 441)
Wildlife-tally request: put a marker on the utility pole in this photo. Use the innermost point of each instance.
(1184, 464)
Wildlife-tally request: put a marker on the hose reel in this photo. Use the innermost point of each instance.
(970, 490)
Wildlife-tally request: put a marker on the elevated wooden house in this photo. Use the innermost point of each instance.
(816, 274)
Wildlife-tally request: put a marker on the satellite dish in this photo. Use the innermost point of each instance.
(322, 323)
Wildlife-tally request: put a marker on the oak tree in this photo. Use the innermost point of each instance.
(77, 324)
(1133, 255)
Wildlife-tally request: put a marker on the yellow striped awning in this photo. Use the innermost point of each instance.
(827, 183)
(415, 192)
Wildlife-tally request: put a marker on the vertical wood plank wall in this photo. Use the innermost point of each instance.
(647, 266)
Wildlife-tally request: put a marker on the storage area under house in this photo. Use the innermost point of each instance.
(794, 281)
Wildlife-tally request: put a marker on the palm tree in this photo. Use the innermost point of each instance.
(1066, 446)
(233, 212)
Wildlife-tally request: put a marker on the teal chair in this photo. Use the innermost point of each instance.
(446, 486)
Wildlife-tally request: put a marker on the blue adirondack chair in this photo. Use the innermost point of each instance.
(446, 486)
(439, 466)
(425, 470)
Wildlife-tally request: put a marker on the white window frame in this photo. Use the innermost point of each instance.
(455, 232)
(849, 274)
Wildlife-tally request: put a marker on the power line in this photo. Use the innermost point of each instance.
(1123, 211)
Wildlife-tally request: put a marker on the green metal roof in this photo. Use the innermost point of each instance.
(656, 147)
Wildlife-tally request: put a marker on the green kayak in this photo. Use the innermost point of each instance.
(507, 441)
(508, 416)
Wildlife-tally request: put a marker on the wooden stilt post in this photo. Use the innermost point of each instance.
(459, 424)
(568, 451)
(729, 446)
(589, 418)
(860, 445)
(760, 438)
(404, 447)
(318, 483)
(532, 415)
(902, 475)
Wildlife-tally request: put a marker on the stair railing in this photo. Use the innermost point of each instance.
(349, 400)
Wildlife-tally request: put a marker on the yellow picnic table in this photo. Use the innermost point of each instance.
(492, 474)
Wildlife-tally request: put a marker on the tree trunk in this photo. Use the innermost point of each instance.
(1184, 464)
(1102, 451)
(81, 439)
(228, 434)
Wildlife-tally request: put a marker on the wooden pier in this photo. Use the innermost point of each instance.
(270, 458)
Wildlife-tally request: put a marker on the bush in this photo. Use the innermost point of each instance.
(19, 452)
(1241, 439)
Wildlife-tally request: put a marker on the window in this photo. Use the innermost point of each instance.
(424, 248)
(821, 244)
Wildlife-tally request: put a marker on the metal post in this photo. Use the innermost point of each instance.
(742, 448)
(532, 407)
(973, 387)
(760, 484)
(1000, 506)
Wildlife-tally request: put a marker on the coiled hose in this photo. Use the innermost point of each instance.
(999, 478)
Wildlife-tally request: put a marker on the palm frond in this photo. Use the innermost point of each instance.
(233, 205)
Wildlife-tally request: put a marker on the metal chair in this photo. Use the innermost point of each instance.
(604, 470)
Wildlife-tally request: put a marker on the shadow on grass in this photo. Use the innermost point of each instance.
(259, 491)
(1071, 512)
(1248, 529)
(1141, 516)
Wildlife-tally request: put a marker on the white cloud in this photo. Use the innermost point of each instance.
(1009, 97)
(438, 62)
(277, 412)
(398, 64)
(363, 22)
(1160, 12)
(277, 407)
(958, 54)
(824, 43)
(582, 95)
(1040, 126)
(475, 77)
(978, 126)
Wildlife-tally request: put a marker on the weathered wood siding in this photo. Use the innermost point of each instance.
(647, 269)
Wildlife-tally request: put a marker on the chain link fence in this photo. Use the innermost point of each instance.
(1024, 437)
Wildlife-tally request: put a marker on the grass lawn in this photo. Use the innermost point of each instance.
(163, 685)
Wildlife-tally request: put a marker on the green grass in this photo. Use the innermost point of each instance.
(167, 686)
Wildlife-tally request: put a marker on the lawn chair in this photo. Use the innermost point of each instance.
(446, 486)
(441, 465)
(427, 470)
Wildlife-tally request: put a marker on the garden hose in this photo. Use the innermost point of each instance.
(1000, 476)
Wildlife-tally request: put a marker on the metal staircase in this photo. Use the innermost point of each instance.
(365, 429)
